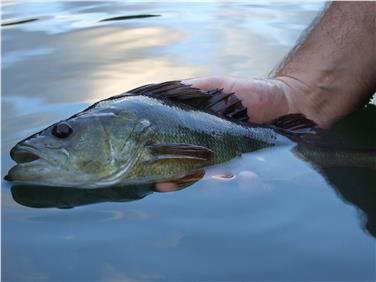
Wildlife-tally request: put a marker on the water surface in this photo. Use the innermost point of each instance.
(278, 218)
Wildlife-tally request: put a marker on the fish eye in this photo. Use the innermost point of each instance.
(62, 130)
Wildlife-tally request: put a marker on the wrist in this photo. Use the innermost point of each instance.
(305, 99)
(264, 99)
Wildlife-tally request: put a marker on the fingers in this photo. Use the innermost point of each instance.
(206, 83)
(263, 98)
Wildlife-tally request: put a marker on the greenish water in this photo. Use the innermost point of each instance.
(278, 218)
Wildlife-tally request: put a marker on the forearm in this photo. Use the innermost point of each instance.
(334, 69)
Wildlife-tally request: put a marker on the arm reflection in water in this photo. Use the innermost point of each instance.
(354, 181)
(355, 185)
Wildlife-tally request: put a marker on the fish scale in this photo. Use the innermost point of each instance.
(226, 143)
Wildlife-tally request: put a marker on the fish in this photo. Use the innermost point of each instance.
(166, 132)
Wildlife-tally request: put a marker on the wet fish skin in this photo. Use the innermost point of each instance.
(111, 144)
(166, 132)
(224, 138)
(72, 161)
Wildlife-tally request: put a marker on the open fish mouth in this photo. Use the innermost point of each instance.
(24, 154)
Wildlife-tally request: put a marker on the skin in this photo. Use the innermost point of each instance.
(330, 73)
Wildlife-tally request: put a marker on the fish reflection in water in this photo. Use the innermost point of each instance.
(66, 197)
(353, 185)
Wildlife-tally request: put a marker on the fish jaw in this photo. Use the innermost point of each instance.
(33, 166)
(28, 172)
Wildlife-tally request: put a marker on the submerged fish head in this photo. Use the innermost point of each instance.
(86, 150)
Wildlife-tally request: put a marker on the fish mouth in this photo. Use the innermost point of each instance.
(24, 154)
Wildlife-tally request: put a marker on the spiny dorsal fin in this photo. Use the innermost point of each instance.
(214, 101)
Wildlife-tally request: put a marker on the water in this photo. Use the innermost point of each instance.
(264, 216)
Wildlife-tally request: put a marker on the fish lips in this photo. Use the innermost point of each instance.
(25, 157)
(24, 154)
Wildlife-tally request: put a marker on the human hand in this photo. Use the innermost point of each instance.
(265, 99)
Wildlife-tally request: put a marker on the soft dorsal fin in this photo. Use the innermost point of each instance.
(214, 101)
(295, 123)
(297, 127)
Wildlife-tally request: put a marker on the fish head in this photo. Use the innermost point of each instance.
(88, 149)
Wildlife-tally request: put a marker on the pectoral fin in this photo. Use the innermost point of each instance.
(179, 151)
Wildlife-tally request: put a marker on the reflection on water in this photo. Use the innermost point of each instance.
(18, 22)
(122, 18)
(355, 185)
(276, 218)
(63, 198)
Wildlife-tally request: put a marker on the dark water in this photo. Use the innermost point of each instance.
(277, 218)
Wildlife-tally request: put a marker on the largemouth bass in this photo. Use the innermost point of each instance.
(163, 132)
